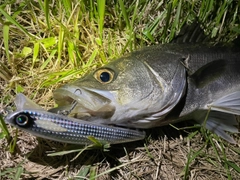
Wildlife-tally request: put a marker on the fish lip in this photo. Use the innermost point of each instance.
(82, 100)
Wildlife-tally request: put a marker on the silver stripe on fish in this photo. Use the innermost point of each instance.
(69, 130)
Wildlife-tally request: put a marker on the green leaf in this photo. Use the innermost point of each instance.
(2, 135)
(35, 52)
(95, 141)
(48, 42)
(19, 89)
(93, 172)
(26, 51)
(83, 172)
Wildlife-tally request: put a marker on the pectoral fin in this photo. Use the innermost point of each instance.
(208, 73)
(228, 104)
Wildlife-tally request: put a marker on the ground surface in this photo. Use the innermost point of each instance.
(159, 158)
(69, 44)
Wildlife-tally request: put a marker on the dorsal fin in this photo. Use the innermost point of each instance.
(22, 102)
(192, 33)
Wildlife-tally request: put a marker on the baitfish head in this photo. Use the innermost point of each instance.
(130, 91)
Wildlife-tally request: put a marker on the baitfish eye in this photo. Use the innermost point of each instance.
(104, 76)
(22, 120)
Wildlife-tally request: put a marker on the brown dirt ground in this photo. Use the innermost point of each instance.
(158, 157)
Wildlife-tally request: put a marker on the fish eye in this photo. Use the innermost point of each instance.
(22, 120)
(104, 76)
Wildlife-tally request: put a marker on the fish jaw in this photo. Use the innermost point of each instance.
(81, 101)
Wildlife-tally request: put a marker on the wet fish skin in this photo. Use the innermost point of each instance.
(138, 77)
(163, 84)
(69, 130)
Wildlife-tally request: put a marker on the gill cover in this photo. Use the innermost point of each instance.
(172, 94)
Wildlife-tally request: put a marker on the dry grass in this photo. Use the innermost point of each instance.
(161, 157)
(74, 45)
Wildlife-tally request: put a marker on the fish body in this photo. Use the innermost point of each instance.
(35, 120)
(150, 87)
(159, 85)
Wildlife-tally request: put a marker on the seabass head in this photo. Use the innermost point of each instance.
(126, 92)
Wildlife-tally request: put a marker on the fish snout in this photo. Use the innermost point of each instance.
(81, 101)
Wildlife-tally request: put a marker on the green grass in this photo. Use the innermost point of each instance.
(47, 43)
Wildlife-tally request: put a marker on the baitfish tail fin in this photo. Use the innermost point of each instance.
(228, 104)
(23, 102)
(219, 123)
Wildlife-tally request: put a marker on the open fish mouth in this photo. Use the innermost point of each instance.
(83, 102)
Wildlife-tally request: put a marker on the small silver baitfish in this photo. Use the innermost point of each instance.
(32, 118)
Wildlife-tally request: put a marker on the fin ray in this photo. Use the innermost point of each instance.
(228, 104)
(219, 122)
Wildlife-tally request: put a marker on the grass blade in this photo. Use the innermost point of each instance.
(36, 48)
(3, 127)
(176, 22)
(125, 15)
(234, 166)
(6, 39)
(101, 13)
(46, 11)
(18, 173)
(5, 72)
(83, 172)
(14, 22)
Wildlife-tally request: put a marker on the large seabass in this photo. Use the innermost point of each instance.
(159, 85)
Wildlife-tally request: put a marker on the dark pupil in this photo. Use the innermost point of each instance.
(105, 76)
(22, 120)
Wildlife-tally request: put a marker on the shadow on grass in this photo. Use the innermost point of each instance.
(41, 152)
